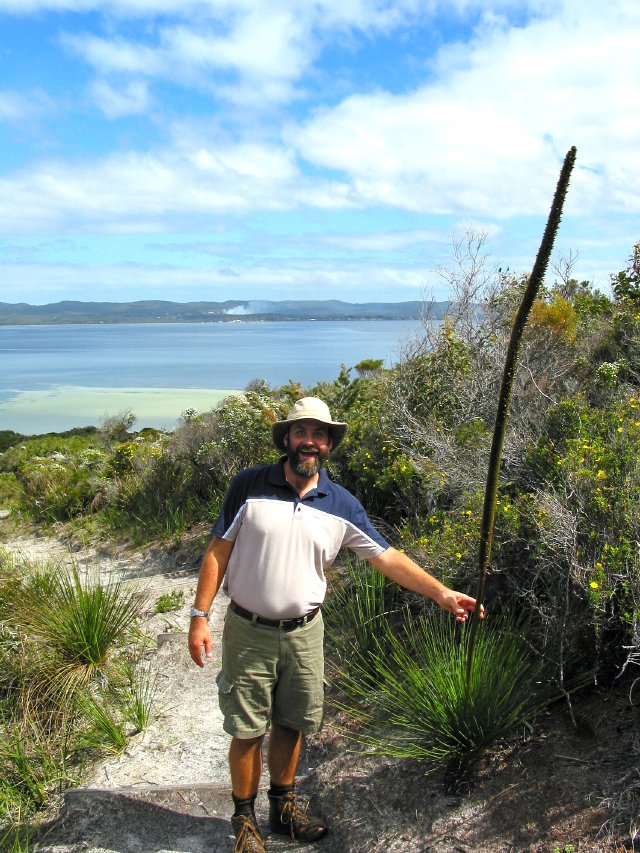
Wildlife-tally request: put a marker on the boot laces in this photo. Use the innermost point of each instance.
(291, 813)
(248, 838)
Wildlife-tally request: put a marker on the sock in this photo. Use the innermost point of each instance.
(280, 790)
(244, 807)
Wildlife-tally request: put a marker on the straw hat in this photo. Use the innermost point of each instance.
(308, 408)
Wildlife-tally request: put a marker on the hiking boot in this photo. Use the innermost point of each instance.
(248, 838)
(286, 817)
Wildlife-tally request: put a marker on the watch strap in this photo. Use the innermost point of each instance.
(195, 612)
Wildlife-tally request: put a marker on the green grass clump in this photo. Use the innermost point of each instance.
(71, 684)
(357, 610)
(414, 700)
(77, 619)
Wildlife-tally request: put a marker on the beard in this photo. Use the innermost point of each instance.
(307, 467)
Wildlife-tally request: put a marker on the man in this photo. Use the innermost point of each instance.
(280, 527)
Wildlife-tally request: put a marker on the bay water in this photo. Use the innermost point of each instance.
(54, 378)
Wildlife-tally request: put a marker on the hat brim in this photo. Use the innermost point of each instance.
(337, 431)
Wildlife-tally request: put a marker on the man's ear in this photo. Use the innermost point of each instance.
(285, 440)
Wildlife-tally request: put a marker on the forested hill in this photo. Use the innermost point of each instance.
(159, 311)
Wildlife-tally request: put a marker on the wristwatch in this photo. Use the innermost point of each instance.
(195, 612)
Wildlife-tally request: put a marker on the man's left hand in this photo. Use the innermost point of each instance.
(459, 604)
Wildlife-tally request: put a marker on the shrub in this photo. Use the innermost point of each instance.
(73, 636)
(69, 681)
(169, 601)
(57, 488)
(413, 700)
(361, 603)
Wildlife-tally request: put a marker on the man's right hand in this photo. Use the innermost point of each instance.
(199, 638)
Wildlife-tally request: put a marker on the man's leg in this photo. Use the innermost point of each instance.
(245, 764)
(285, 815)
(283, 754)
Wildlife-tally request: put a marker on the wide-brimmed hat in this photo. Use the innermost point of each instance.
(313, 409)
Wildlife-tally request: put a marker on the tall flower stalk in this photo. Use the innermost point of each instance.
(491, 491)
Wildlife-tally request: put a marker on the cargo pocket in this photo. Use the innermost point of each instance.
(225, 694)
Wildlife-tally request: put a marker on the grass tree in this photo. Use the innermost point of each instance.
(76, 620)
(432, 690)
(70, 682)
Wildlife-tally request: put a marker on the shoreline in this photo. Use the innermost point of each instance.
(66, 407)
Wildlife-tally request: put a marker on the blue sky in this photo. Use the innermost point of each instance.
(276, 149)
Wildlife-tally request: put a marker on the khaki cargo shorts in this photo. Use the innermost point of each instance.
(269, 674)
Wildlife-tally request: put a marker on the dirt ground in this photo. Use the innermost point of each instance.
(548, 787)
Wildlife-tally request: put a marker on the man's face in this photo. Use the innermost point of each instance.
(308, 446)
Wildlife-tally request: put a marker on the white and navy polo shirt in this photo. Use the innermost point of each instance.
(284, 543)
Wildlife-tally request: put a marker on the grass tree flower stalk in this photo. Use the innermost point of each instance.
(511, 360)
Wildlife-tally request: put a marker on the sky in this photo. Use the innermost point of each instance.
(309, 149)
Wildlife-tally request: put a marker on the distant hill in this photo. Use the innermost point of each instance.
(160, 311)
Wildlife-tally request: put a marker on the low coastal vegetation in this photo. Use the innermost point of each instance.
(565, 553)
(73, 683)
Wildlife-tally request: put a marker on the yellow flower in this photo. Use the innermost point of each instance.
(459, 555)
(594, 585)
(598, 565)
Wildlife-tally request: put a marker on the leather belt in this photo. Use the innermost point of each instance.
(284, 624)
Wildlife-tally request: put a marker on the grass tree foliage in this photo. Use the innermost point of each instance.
(412, 695)
(72, 683)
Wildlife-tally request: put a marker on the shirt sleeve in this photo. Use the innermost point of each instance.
(361, 536)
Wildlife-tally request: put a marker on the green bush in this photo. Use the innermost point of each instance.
(57, 488)
(413, 700)
(361, 603)
(69, 682)
(169, 601)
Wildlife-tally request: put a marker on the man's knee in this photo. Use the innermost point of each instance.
(242, 744)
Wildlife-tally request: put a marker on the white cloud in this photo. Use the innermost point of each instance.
(137, 281)
(384, 241)
(131, 99)
(194, 180)
(488, 136)
(267, 45)
(18, 107)
(483, 136)
(116, 56)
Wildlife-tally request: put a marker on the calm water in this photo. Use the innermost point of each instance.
(56, 377)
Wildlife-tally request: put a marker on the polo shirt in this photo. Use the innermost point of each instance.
(283, 544)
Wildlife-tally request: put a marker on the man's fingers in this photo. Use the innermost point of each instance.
(199, 641)
(196, 656)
